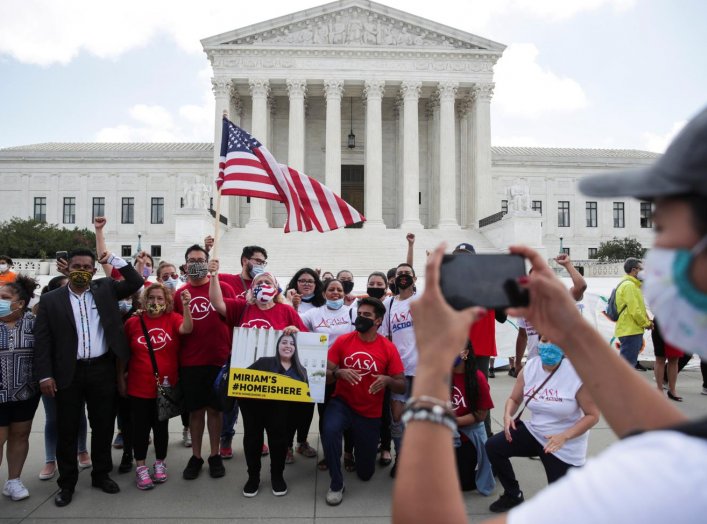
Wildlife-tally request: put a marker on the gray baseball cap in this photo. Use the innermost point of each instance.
(681, 170)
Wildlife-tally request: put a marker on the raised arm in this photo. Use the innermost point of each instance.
(187, 323)
(579, 285)
(215, 293)
(410, 237)
(98, 224)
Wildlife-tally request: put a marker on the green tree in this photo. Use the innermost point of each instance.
(29, 238)
(620, 249)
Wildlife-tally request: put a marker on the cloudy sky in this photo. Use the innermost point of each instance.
(576, 73)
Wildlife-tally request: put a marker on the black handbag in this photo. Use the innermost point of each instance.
(169, 398)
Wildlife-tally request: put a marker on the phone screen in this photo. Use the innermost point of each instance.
(62, 254)
(488, 281)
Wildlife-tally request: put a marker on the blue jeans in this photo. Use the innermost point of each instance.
(229, 424)
(50, 430)
(630, 347)
(339, 417)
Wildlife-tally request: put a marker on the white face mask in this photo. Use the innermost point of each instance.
(171, 283)
(681, 310)
(3, 268)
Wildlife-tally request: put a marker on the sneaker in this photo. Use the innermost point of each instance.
(639, 367)
(193, 468)
(279, 486)
(143, 480)
(290, 457)
(704, 391)
(334, 498)
(216, 469)
(126, 463)
(118, 442)
(159, 472)
(492, 373)
(512, 372)
(305, 449)
(186, 438)
(226, 451)
(266, 451)
(251, 487)
(506, 502)
(15, 490)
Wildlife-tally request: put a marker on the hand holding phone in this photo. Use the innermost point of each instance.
(62, 255)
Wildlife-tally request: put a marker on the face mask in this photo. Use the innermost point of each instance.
(198, 270)
(5, 307)
(171, 283)
(335, 304)
(375, 292)
(255, 270)
(146, 271)
(679, 307)
(403, 281)
(125, 305)
(641, 275)
(363, 324)
(393, 288)
(265, 293)
(307, 298)
(80, 278)
(550, 354)
(348, 286)
(3, 268)
(155, 309)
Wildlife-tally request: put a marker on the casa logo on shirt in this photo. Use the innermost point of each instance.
(458, 400)
(259, 323)
(200, 308)
(401, 320)
(361, 362)
(329, 323)
(158, 338)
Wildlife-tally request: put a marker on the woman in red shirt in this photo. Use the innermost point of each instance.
(164, 327)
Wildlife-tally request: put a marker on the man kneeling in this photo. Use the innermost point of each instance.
(363, 363)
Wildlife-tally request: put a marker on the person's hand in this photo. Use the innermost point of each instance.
(99, 222)
(62, 266)
(563, 259)
(509, 424)
(379, 384)
(441, 331)
(186, 298)
(349, 375)
(410, 237)
(48, 387)
(552, 310)
(122, 386)
(142, 258)
(214, 266)
(349, 299)
(103, 259)
(554, 442)
(294, 298)
(208, 243)
(318, 270)
(290, 330)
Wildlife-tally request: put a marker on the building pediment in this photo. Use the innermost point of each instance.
(352, 23)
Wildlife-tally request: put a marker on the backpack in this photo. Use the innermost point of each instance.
(611, 311)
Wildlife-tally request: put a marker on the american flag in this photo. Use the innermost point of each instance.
(247, 168)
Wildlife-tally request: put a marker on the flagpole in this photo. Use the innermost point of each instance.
(217, 218)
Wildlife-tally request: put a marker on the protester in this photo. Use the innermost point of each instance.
(19, 393)
(357, 401)
(347, 281)
(164, 327)
(201, 355)
(633, 318)
(612, 486)
(77, 365)
(6, 274)
(304, 291)
(167, 275)
(665, 352)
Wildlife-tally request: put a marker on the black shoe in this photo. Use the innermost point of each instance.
(639, 367)
(63, 498)
(506, 502)
(106, 484)
(512, 372)
(492, 373)
(394, 469)
(279, 486)
(193, 468)
(126, 463)
(251, 487)
(216, 469)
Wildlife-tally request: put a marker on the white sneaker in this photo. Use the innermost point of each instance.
(334, 498)
(15, 490)
(186, 438)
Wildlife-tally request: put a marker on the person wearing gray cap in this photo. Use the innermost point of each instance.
(622, 483)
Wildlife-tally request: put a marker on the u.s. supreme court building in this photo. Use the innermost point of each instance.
(390, 110)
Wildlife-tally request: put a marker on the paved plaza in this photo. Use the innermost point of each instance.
(212, 500)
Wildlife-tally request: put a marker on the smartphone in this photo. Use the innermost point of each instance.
(62, 255)
(489, 281)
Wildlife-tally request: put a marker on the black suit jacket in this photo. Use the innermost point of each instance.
(55, 337)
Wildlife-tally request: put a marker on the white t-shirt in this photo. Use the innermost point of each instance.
(398, 319)
(631, 481)
(555, 408)
(533, 337)
(304, 307)
(334, 322)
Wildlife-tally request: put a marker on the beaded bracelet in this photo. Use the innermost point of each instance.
(434, 414)
(424, 399)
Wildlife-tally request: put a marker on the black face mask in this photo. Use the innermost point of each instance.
(348, 286)
(363, 324)
(393, 288)
(375, 292)
(403, 281)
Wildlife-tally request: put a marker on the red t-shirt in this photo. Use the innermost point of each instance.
(279, 316)
(239, 284)
(164, 335)
(379, 357)
(483, 335)
(209, 343)
(459, 398)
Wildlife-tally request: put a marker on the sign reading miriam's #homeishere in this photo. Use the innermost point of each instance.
(307, 360)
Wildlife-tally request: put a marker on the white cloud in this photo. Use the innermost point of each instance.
(525, 89)
(659, 143)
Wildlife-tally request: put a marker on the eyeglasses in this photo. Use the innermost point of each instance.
(259, 261)
(167, 276)
(305, 282)
(196, 260)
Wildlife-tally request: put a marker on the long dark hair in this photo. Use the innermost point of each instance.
(318, 299)
(23, 287)
(295, 357)
(471, 382)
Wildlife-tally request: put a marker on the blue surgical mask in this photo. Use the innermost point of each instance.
(125, 305)
(256, 270)
(550, 354)
(146, 271)
(335, 304)
(5, 307)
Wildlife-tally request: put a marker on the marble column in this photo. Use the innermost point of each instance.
(447, 157)
(333, 90)
(222, 93)
(484, 202)
(296, 88)
(233, 204)
(373, 181)
(259, 90)
(410, 90)
(466, 193)
(432, 114)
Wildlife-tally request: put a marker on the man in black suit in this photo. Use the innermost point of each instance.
(78, 335)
